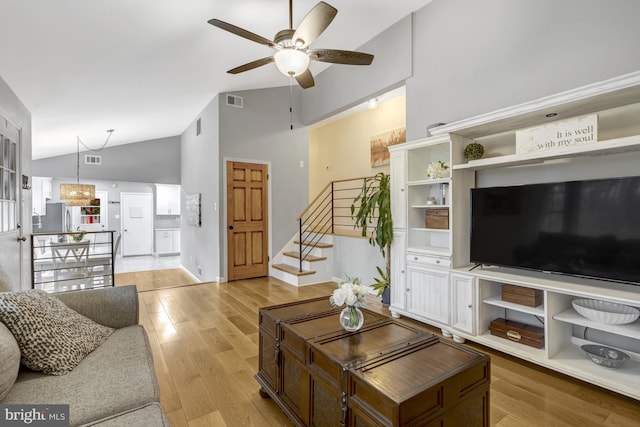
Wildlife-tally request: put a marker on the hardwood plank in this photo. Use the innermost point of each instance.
(205, 344)
(177, 419)
(192, 390)
(212, 419)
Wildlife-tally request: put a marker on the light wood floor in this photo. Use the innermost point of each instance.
(205, 343)
(154, 279)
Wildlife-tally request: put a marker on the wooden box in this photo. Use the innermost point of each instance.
(294, 382)
(522, 333)
(432, 383)
(522, 295)
(388, 373)
(269, 322)
(332, 356)
(437, 218)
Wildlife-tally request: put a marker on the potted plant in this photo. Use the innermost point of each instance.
(374, 201)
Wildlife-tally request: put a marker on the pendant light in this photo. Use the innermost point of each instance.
(80, 194)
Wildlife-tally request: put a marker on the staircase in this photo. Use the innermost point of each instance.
(307, 257)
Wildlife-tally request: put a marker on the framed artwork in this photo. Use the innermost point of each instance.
(193, 213)
(380, 142)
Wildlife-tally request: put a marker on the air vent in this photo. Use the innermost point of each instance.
(92, 160)
(234, 101)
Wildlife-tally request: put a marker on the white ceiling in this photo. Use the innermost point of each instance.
(146, 68)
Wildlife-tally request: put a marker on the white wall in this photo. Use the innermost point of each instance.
(342, 149)
(261, 132)
(341, 87)
(156, 161)
(199, 164)
(472, 57)
(355, 257)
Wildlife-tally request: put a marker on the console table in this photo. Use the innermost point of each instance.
(386, 374)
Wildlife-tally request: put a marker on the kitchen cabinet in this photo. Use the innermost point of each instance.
(167, 241)
(167, 199)
(40, 193)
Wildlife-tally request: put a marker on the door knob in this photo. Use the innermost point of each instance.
(22, 239)
(231, 227)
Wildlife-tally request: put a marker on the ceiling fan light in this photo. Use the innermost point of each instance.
(291, 62)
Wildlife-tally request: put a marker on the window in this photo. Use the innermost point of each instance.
(8, 176)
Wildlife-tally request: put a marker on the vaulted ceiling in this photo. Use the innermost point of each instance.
(146, 68)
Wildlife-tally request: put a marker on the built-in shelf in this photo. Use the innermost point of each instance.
(613, 146)
(617, 91)
(571, 359)
(631, 330)
(429, 181)
(498, 302)
(437, 230)
(429, 206)
(470, 296)
(511, 347)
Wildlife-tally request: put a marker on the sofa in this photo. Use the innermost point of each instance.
(113, 385)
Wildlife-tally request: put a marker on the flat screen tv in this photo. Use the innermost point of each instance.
(581, 228)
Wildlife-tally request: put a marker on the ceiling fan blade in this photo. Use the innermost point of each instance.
(251, 65)
(348, 57)
(316, 21)
(305, 80)
(241, 32)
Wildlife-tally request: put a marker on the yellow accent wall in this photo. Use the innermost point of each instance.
(342, 149)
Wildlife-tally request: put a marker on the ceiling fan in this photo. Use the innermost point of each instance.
(293, 54)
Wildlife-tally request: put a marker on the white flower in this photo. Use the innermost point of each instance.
(351, 293)
(338, 297)
(437, 170)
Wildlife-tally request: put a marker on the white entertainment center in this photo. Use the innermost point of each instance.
(432, 278)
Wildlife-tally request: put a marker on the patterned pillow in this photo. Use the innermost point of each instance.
(9, 360)
(52, 337)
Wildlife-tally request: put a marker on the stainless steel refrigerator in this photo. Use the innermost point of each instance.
(57, 219)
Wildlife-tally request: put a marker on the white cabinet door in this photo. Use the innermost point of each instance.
(398, 193)
(398, 274)
(40, 193)
(428, 293)
(463, 291)
(167, 199)
(167, 242)
(175, 244)
(164, 241)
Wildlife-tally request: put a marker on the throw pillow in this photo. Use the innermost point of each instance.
(52, 337)
(5, 282)
(9, 360)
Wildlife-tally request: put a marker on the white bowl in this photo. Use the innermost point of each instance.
(606, 312)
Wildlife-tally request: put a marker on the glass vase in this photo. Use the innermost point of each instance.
(351, 318)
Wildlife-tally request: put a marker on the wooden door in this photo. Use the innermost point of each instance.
(247, 221)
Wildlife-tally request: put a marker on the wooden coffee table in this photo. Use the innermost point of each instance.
(386, 374)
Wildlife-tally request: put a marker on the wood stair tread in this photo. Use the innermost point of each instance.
(309, 258)
(292, 270)
(317, 244)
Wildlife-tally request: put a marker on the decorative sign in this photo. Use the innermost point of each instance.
(556, 135)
